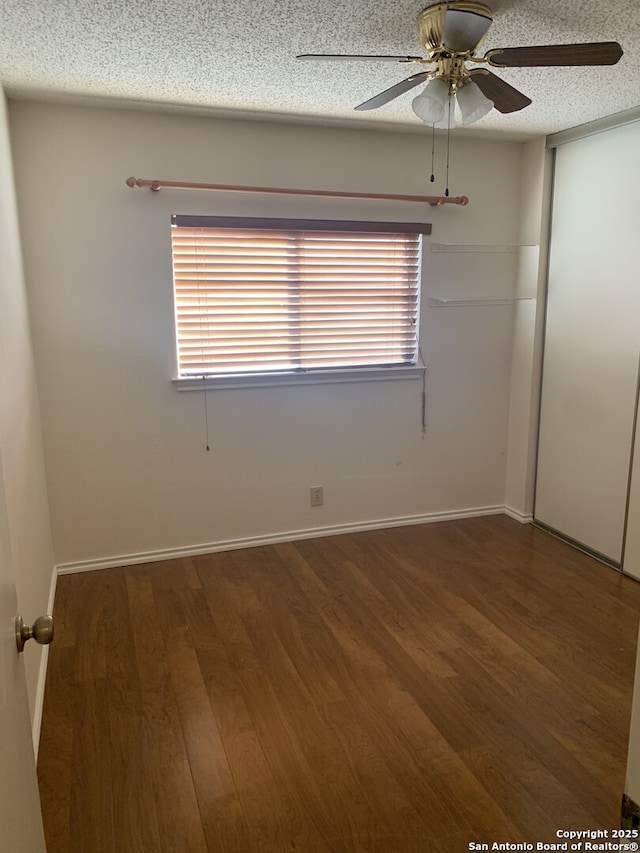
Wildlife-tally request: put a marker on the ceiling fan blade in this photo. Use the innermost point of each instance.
(595, 53)
(356, 56)
(394, 91)
(505, 98)
(463, 31)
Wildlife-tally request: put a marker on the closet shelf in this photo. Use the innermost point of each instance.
(462, 303)
(488, 248)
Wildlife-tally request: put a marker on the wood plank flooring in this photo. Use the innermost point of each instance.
(401, 690)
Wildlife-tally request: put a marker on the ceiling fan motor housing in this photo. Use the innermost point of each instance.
(458, 26)
(451, 32)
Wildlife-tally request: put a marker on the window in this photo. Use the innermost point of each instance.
(273, 296)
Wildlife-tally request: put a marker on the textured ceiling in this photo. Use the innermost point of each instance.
(241, 56)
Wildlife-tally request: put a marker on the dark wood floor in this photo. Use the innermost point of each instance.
(396, 691)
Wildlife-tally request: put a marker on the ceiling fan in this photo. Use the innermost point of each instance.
(451, 33)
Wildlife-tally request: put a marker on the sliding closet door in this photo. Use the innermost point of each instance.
(592, 342)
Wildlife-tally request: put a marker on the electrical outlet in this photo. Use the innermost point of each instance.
(317, 497)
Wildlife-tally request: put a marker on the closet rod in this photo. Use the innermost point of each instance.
(156, 186)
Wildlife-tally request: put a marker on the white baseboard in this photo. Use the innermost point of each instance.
(271, 539)
(523, 518)
(42, 674)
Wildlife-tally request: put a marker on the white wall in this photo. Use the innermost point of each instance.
(529, 316)
(23, 479)
(127, 469)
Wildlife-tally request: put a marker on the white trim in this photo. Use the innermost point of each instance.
(42, 674)
(523, 518)
(268, 380)
(590, 128)
(270, 539)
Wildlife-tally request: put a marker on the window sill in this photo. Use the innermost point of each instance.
(269, 380)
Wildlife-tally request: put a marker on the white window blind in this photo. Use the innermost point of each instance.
(263, 296)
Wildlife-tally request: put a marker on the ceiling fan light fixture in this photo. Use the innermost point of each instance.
(472, 103)
(431, 102)
(448, 116)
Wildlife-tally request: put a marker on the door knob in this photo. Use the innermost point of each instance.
(41, 631)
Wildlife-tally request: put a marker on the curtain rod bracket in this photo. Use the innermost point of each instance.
(156, 186)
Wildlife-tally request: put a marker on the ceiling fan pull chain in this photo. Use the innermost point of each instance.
(206, 411)
(433, 151)
(446, 191)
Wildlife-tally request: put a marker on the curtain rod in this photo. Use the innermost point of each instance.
(156, 186)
